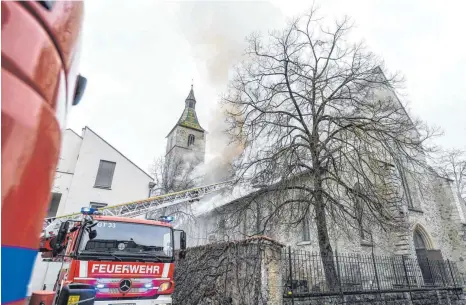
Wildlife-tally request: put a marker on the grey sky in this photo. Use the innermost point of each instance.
(140, 56)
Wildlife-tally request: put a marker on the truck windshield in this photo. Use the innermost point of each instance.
(124, 238)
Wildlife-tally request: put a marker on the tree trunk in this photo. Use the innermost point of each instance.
(326, 251)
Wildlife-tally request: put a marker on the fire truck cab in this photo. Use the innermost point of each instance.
(129, 261)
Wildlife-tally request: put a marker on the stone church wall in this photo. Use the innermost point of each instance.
(178, 143)
(181, 139)
(438, 215)
(178, 150)
(435, 213)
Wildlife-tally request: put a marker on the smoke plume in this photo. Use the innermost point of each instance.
(216, 32)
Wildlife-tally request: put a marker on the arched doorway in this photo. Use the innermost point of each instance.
(419, 239)
(430, 260)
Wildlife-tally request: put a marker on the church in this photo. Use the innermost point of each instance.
(185, 149)
(186, 140)
(431, 226)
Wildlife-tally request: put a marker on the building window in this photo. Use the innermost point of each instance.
(406, 190)
(105, 174)
(359, 211)
(190, 140)
(97, 205)
(306, 230)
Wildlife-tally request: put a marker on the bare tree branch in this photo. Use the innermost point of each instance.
(452, 164)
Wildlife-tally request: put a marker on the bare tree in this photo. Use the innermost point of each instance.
(322, 129)
(452, 164)
(172, 174)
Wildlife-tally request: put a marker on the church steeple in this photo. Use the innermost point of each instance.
(191, 100)
(189, 117)
(186, 140)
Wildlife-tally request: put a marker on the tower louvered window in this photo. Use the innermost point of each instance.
(190, 140)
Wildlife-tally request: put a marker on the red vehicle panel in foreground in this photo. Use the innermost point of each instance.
(39, 84)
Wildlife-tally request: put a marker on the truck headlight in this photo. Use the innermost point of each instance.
(148, 285)
(165, 286)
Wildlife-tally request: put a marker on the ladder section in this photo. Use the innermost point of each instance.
(140, 207)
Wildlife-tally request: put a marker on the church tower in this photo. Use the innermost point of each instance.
(186, 140)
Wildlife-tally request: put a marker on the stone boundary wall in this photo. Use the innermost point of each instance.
(249, 272)
(242, 272)
(432, 297)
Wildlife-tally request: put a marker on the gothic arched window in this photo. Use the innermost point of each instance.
(191, 140)
(359, 210)
(306, 229)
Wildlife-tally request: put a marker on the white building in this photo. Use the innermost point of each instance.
(91, 172)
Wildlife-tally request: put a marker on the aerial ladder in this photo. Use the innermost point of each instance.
(138, 207)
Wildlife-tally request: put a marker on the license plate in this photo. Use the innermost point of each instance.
(73, 299)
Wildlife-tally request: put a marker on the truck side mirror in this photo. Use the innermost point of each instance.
(81, 83)
(92, 234)
(61, 236)
(183, 240)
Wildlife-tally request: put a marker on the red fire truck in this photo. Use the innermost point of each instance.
(127, 260)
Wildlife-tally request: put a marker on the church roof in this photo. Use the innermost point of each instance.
(189, 118)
